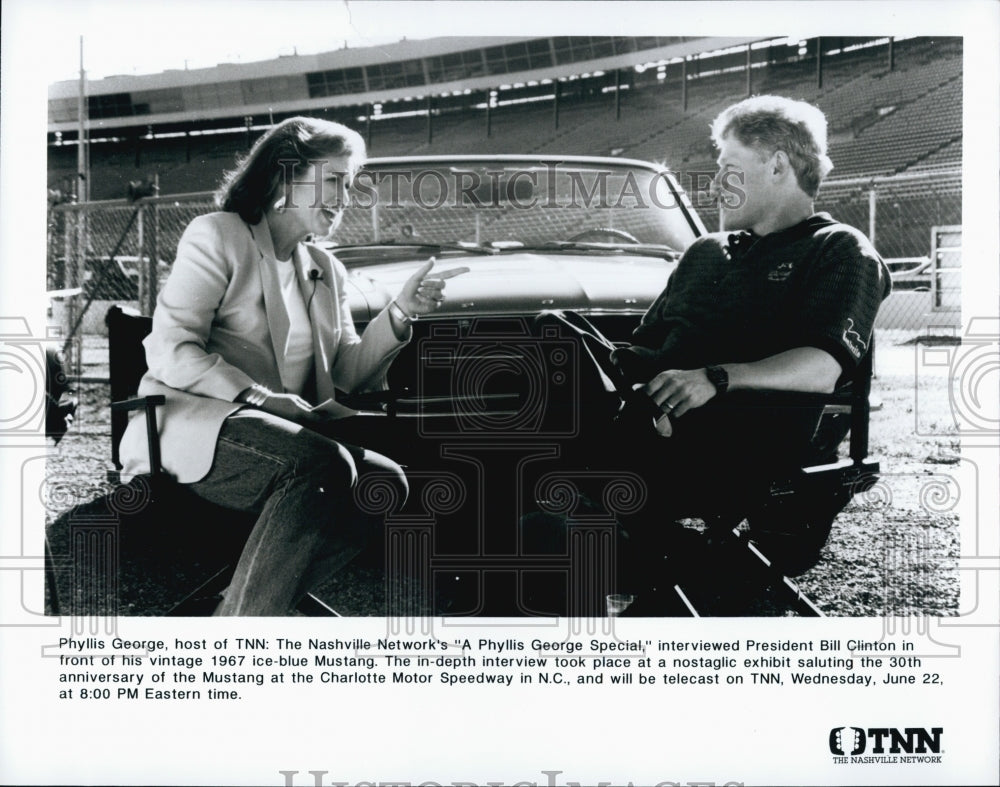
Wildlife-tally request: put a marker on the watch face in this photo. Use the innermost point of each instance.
(718, 377)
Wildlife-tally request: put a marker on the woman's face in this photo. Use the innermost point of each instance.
(318, 196)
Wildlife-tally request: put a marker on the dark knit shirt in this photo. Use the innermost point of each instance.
(739, 297)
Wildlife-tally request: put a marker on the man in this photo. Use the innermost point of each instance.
(788, 303)
(783, 298)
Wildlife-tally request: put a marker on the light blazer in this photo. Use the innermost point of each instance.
(220, 326)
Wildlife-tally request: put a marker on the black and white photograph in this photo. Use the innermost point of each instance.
(628, 362)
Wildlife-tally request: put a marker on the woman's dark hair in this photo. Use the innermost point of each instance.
(259, 177)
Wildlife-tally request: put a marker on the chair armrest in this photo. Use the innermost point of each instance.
(138, 403)
(772, 398)
(367, 400)
(850, 399)
(404, 402)
(149, 404)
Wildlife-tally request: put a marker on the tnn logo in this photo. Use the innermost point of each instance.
(854, 740)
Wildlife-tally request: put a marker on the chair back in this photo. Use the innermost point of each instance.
(861, 387)
(127, 364)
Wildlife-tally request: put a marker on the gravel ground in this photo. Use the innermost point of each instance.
(892, 551)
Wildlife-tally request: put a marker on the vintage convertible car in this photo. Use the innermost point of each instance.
(487, 411)
(515, 503)
(599, 236)
(493, 412)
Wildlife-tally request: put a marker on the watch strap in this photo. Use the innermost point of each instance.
(719, 377)
(399, 314)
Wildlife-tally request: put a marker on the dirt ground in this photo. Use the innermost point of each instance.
(892, 551)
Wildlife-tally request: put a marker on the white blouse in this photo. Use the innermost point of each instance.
(299, 344)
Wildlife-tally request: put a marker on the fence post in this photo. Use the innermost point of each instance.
(154, 259)
(78, 268)
(66, 280)
(144, 275)
(872, 208)
(69, 280)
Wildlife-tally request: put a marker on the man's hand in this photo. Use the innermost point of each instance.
(799, 369)
(677, 391)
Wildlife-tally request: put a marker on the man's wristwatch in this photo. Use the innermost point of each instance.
(718, 377)
(399, 314)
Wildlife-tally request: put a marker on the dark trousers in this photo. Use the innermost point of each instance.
(718, 461)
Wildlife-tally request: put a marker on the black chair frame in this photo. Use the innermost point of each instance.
(800, 505)
(815, 493)
(127, 364)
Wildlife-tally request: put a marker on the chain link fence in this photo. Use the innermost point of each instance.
(903, 215)
(914, 219)
(114, 252)
(121, 252)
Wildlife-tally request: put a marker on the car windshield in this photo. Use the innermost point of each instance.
(516, 204)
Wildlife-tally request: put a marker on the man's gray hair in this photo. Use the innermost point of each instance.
(772, 123)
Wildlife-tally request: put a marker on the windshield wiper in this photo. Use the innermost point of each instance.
(470, 248)
(641, 250)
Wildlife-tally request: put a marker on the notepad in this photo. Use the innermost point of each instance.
(333, 408)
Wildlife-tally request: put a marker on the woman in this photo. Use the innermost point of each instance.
(251, 330)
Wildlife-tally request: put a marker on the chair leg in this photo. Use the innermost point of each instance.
(696, 573)
(311, 606)
(203, 600)
(51, 588)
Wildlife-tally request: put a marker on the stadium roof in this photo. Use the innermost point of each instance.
(284, 65)
(352, 77)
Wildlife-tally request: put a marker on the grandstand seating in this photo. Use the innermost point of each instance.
(947, 157)
(882, 121)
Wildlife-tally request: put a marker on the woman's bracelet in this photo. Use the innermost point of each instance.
(397, 311)
(257, 394)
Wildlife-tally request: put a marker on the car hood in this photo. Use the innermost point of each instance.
(521, 283)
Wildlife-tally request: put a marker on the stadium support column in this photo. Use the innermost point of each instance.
(819, 63)
(368, 125)
(684, 85)
(749, 72)
(618, 94)
(82, 146)
(78, 263)
(892, 55)
(430, 119)
(555, 104)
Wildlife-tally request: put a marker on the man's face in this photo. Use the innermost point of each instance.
(742, 185)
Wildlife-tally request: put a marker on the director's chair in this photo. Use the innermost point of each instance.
(789, 514)
(789, 508)
(153, 527)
